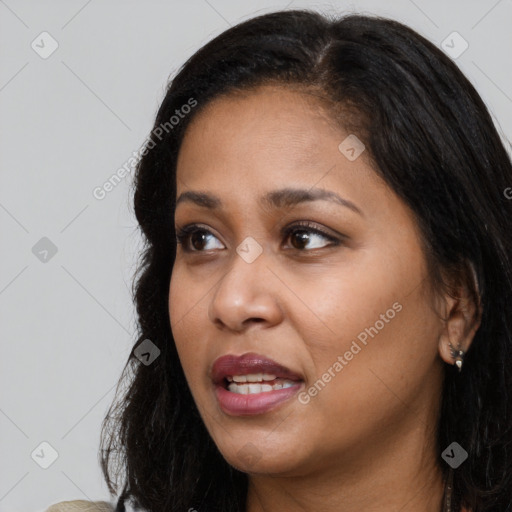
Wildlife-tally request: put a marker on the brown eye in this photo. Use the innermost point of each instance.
(197, 240)
(304, 237)
(301, 237)
(193, 239)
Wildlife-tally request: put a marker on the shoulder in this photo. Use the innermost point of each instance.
(81, 506)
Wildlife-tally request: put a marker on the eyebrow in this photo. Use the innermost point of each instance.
(277, 199)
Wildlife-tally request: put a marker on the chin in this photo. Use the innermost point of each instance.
(260, 456)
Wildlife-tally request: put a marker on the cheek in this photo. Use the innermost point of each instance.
(382, 348)
(184, 301)
(375, 317)
(188, 312)
(371, 288)
(348, 298)
(175, 303)
(181, 312)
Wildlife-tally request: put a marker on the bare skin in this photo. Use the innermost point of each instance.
(365, 441)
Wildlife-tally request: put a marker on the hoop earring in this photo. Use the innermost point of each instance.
(458, 355)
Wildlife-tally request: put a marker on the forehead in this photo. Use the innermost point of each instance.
(268, 133)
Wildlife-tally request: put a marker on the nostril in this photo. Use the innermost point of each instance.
(255, 320)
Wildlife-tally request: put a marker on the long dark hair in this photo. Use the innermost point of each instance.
(431, 138)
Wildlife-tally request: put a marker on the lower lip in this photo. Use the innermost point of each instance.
(237, 404)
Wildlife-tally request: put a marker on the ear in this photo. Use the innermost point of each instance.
(462, 315)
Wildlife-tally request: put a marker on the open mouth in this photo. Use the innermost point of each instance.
(256, 383)
(252, 384)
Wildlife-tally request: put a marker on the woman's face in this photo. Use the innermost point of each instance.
(348, 312)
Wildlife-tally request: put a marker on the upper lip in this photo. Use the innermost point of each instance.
(246, 364)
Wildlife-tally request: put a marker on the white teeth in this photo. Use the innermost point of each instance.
(253, 377)
(254, 388)
(249, 389)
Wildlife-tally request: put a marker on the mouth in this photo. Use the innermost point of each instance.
(252, 384)
(256, 383)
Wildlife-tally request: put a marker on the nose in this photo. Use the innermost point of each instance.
(245, 295)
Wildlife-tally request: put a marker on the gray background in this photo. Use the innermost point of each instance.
(67, 123)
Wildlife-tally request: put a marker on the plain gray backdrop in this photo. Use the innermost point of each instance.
(80, 83)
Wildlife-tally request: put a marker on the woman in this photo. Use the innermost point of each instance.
(324, 297)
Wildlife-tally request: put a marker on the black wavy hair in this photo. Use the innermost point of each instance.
(433, 141)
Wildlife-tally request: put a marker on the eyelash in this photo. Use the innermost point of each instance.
(183, 235)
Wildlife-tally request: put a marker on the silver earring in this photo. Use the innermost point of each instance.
(458, 355)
